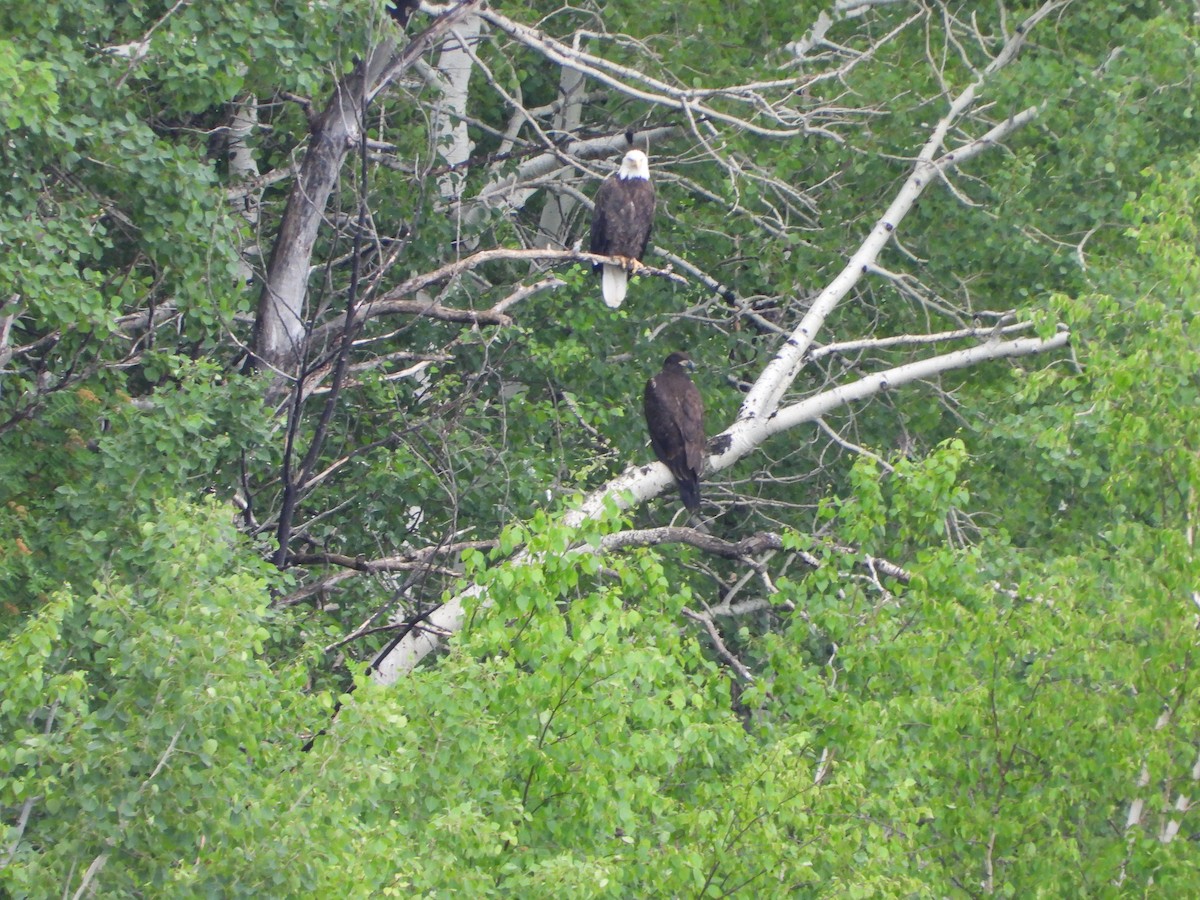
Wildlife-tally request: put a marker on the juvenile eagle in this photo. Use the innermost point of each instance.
(675, 417)
(622, 220)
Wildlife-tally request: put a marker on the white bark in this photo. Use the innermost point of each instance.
(842, 9)
(453, 77)
(556, 213)
(243, 169)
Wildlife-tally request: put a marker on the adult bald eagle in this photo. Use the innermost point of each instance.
(675, 417)
(622, 220)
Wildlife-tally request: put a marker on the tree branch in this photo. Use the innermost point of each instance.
(783, 369)
(392, 301)
(649, 537)
(718, 644)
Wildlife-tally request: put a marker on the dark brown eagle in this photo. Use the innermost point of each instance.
(675, 417)
(402, 10)
(621, 222)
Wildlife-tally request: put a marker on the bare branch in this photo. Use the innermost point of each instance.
(358, 565)
(92, 871)
(915, 340)
(785, 120)
(718, 644)
(782, 371)
(392, 302)
(649, 537)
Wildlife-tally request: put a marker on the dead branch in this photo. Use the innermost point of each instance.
(651, 537)
(352, 566)
(395, 301)
(718, 644)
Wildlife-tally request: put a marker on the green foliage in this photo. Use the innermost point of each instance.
(76, 480)
(976, 722)
(149, 688)
(30, 94)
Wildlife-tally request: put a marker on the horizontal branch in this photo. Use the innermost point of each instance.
(786, 120)
(397, 300)
(351, 566)
(757, 543)
(916, 340)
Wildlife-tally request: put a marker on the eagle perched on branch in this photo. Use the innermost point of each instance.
(675, 417)
(621, 222)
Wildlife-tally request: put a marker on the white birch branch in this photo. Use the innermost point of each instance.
(782, 370)
(559, 206)
(786, 365)
(92, 871)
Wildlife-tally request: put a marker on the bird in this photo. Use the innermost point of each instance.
(621, 222)
(675, 419)
(402, 10)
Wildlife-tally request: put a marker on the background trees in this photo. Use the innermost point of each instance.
(301, 372)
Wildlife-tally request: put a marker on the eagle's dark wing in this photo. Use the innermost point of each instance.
(675, 419)
(402, 10)
(641, 199)
(600, 237)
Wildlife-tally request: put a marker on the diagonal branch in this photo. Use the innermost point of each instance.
(779, 374)
(929, 166)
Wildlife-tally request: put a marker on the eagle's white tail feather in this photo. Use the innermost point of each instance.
(614, 281)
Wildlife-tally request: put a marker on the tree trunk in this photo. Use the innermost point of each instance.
(279, 328)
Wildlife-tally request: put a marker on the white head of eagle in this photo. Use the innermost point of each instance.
(635, 165)
(622, 221)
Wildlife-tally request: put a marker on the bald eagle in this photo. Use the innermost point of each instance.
(675, 417)
(622, 220)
